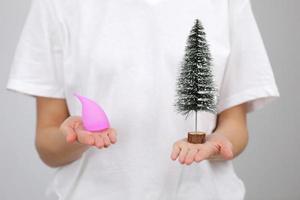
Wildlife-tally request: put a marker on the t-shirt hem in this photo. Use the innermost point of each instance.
(34, 89)
(256, 98)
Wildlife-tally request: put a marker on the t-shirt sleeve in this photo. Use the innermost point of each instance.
(248, 76)
(36, 68)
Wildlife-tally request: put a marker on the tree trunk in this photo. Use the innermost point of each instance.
(196, 137)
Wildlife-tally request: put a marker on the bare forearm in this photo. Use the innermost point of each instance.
(53, 148)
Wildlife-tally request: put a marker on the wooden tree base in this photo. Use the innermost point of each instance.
(196, 137)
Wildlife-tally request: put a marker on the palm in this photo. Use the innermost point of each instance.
(74, 131)
(216, 146)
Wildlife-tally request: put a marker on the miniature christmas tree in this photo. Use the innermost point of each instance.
(195, 86)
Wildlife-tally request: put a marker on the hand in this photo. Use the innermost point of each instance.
(73, 130)
(217, 146)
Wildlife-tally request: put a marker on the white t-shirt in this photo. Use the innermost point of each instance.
(125, 55)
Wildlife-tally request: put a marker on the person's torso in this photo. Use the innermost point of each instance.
(126, 55)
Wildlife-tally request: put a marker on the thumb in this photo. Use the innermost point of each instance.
(70, 134)
(226, 150)
(71, 137)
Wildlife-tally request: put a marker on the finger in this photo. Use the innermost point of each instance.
(226, 150)
(200, 155)
(182, 154)
(112, 135)
(99, 142)
(71, 137)
(175, 152)
(69, 134)
(85, 137)
(205, 151)
(77, 124)
(190, 156)
(106, 140)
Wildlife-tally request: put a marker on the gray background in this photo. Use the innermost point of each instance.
(269, 166)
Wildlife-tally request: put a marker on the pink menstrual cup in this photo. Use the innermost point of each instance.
(93, 116)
